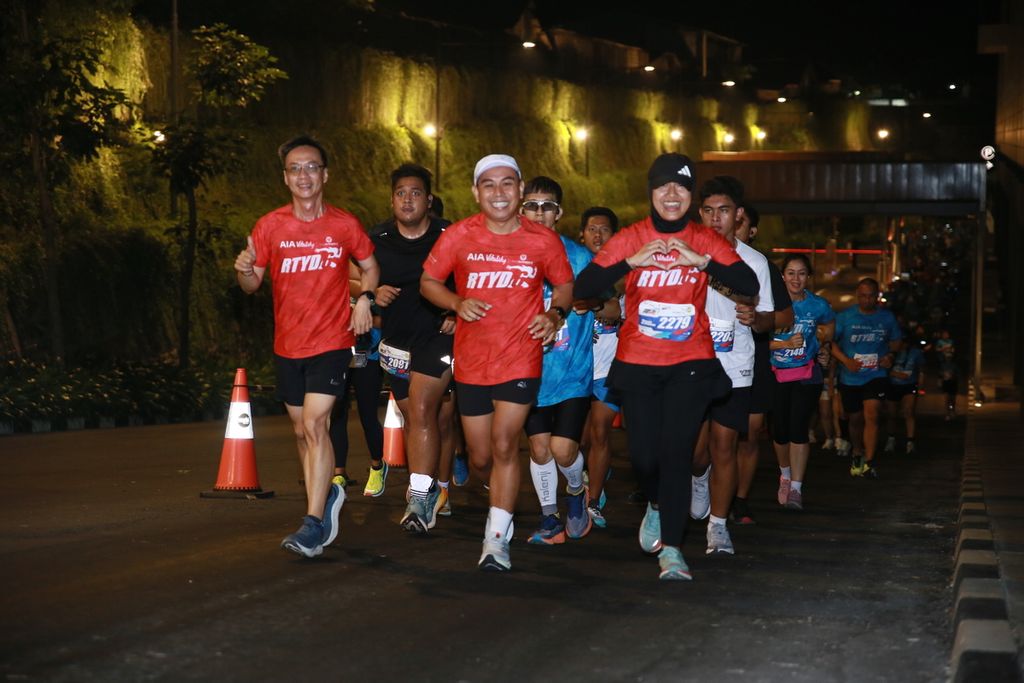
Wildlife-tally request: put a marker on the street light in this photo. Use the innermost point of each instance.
(529, 44)
(728, 138)
(883, 133)
(581, 134)
(780, 100)
(649, 68)
(760, 135)
(728, 84)
(926, 115)
(676, 134)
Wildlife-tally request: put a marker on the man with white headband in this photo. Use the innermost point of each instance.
(500, 260)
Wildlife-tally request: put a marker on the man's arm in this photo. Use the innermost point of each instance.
(248, 274)
(362, 317)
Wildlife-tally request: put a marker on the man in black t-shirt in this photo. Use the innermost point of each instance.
(416, 344)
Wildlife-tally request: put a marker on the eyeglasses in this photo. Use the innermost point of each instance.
(542, 207)
(310, 168)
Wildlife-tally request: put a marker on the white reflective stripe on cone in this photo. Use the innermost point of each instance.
(239, 422)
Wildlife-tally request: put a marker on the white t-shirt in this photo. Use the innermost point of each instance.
(606, 340)
(734, 343)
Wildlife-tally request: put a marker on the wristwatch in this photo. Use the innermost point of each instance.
(562, 313)
(369, 297)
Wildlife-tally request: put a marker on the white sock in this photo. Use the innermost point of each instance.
(574, 473)
(787, 473)
(420, 484)
(443, 484)
(545, 483)
(796, 486)
(498, 523)
(717, 520)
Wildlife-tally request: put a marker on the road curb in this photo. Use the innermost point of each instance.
(984, 648)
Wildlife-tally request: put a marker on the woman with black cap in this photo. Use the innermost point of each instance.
(665, 367)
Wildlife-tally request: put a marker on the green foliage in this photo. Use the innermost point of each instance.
(230, 69)
(147, 390)
(49, 88)
(190, 153)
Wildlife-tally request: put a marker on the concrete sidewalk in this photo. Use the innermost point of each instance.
(988, 577)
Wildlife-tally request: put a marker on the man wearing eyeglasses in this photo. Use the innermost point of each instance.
(500, 260)
(555, 424)
(306, 246)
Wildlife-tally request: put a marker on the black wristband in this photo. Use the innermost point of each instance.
(560, 311)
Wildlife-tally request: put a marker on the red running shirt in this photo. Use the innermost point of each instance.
(665, 320)
(308, 268)
(508, 272)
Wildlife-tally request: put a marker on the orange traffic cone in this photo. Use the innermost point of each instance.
(617, 420)
(394, 435)
(237, 477)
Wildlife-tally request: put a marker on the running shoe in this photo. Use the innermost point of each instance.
(719, 541)
(375, 481)
(828, 445)
(460, 470)
(332, 510)
(890, 445)
(494, 557)
(597, 516)
(673, 566)
(795, 500)
(550, 532)
(307, 540)
(421, 512)
(857, 466)
(445, 509)
(340, 479)
(843, 448)
(577, 521)
(869, 471)
(700, 496)
(415, 517)
(650, 530)
(783, 493)
(740, 512)
(910, 447)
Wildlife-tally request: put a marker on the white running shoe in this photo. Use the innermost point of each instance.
(719, 541)
(700, 495)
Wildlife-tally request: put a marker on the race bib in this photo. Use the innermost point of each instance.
(723, 334)
(394, 360)
(673, 322)
(868, 361)
(561, 342)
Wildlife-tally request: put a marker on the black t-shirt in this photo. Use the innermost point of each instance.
(762, 354)
(410, 319)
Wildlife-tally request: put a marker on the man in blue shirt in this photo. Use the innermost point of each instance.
(867, 339)
(555, 424)
(902, 394)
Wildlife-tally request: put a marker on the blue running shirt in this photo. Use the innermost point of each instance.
(807, 315)
(865, 338)
(906, 366)
(568, 370)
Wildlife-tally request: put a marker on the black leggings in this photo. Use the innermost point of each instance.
(365, 383)
(663, 408)
(793, 405)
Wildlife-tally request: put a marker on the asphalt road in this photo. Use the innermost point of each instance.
(113, 569)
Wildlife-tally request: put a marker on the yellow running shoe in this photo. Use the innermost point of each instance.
(445, 509)
(375, 481)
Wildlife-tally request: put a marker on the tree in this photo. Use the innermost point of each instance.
(231, 72)
(55, 112)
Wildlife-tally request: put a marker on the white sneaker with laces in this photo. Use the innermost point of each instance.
(700, 495)
(719, 541)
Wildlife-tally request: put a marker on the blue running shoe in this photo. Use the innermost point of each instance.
(577, 520)
(550, 532)
(332, 510)
(673, 566)
(650, 530)
(415, 518)
(307, 540)
(597, 516)
(460, 470)
(432, 505)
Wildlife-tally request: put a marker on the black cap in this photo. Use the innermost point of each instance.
(671, 168)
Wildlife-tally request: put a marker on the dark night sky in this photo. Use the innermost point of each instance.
(922, 45)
